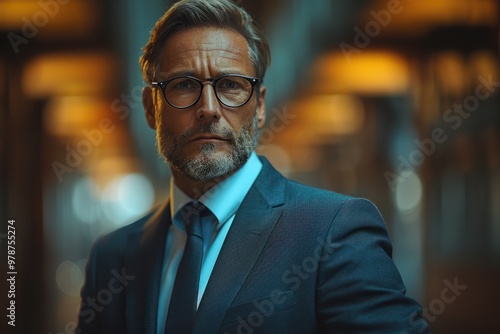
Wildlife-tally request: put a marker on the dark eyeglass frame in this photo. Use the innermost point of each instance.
(213, 81)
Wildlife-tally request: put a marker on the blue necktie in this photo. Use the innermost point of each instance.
(183, 303)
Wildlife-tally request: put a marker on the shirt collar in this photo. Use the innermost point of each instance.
(224, 198)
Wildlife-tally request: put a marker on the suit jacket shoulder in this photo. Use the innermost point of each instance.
(325, 267)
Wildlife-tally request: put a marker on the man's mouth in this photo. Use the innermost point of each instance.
(206, 137)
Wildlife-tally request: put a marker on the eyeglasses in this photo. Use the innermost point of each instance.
(232, 90)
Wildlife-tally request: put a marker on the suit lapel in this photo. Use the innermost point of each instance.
(144, 261)
(254, 222)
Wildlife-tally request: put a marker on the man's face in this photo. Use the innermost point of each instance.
(207, 140)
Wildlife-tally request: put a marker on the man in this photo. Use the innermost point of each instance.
(237, 248)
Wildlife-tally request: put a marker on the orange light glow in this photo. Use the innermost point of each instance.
(364, 73)
(68, 116)
(55, 19)
(418, 17)
(70, 74)
(331, 115)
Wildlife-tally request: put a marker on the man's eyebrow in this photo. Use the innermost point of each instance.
(163, 76)
(232, 72)
(174, 74)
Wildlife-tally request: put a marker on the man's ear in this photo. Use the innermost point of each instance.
(149, 109)
(261, 106)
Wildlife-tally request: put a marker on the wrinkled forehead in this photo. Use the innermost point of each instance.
(203, 46)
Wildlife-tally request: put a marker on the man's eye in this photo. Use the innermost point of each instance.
(185, 85)
(229, 84)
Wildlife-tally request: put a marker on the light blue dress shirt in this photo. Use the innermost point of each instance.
(223, 200)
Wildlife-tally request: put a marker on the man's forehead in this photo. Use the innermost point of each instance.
(207, 46)
(213, 49)
(206, 39)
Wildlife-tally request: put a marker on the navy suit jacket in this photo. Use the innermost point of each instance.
(296, 260)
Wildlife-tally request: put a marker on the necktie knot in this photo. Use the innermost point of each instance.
(192, 214)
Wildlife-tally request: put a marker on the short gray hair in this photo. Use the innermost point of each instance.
(188, 14)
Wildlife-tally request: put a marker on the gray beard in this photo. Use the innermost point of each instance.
(206, 166)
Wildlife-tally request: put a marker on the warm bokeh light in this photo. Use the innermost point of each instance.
(451, 72)
(418, 17)
(70, 74)
(332, 115)
(70, 115)
(48, 18)
(369, 72)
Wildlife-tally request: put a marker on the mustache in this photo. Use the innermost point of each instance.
(210, 129)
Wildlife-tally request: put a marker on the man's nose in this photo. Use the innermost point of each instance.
(209, 106)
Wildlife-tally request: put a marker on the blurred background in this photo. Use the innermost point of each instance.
(396, 101)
